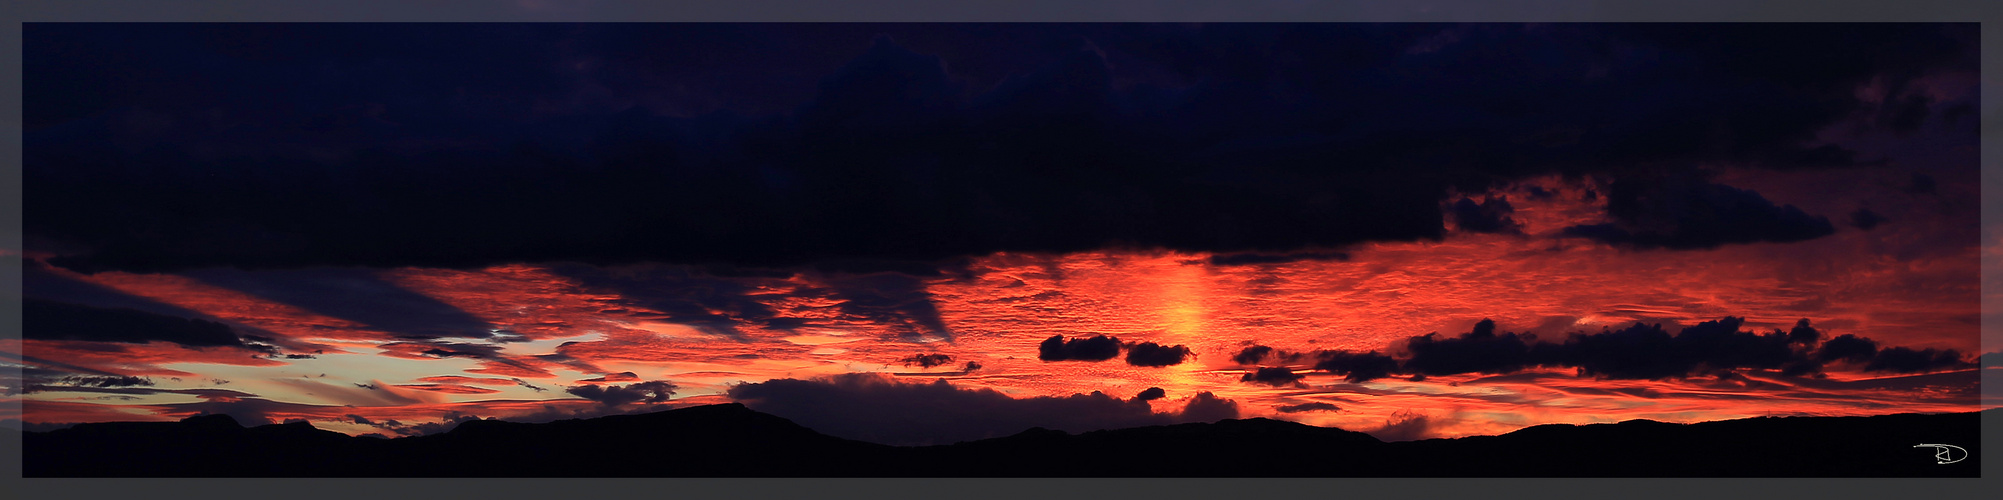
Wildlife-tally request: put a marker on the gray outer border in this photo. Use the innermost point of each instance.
(14, 12)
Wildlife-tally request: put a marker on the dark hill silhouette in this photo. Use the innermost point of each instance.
(730, 440)
(1229, 448)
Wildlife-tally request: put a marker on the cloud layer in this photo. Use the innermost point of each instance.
(872, 407)
(610, 143)
(50, 320)
(1638, 352)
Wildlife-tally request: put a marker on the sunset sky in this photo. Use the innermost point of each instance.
(919, 233)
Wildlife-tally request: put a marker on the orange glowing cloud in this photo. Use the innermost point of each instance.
(230, 305)
(987, 319)
(458, 380)
(137, 359)
(523, 300)
(449, 388)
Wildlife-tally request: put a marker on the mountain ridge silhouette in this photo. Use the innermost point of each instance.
(732, 440)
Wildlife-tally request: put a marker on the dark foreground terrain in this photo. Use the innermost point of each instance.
(731, 440)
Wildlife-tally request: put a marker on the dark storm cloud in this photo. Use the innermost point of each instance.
(1272, 375)
(711, 298)
(40, 282)
(1847, 348)
(1097, 348)
(1404, 426)
(1909, 360)
(83, 381)
(1153, 355)
(1489, 216)
(37, 368)
(688, 296)
(1252, 355)
(158, 147)
(33, 382)
(446, 423)
(927, 360)
(1866, 219)
(1688, 213)
(50, 320)
(1356, 366)
(127, 392)
(1717, 349)
(353, 294)
(1207, 407)
(613, 395)
(875, 408)
(1254, 258)
(443, 349)
(1648, 351)
(1306, 407)
(1804, 333)
(1645, 351)
(1479, 351)
(894, 299)
(1151, 394)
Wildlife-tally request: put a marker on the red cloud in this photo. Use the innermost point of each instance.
(613, 377)
(458, 380)
(449, 388)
